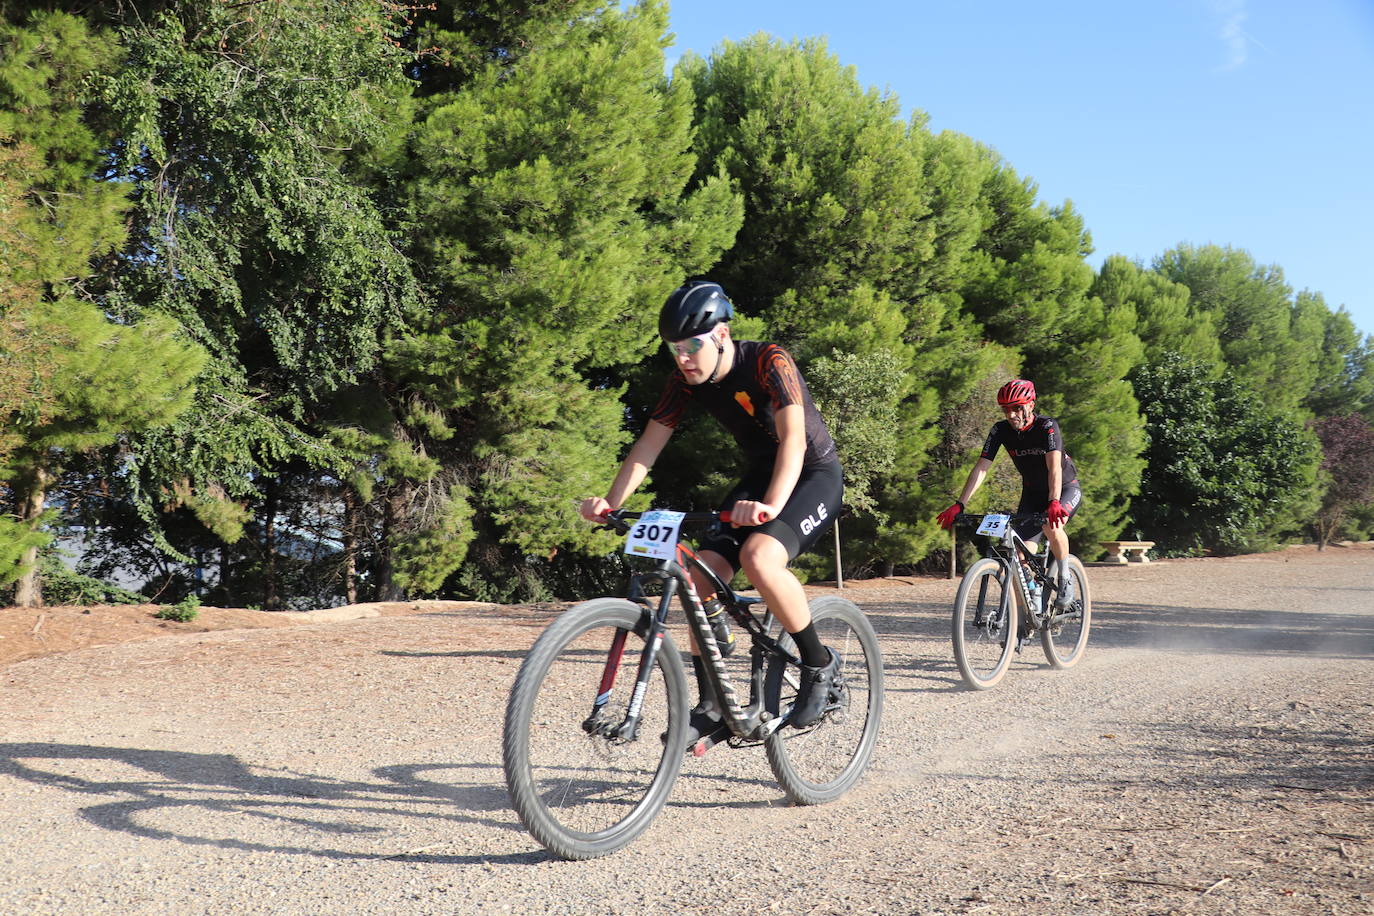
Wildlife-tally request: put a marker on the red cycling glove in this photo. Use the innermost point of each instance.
(947, 517)
(1058, 515)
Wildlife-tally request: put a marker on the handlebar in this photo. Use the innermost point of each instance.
(619, 519)
(967, 520)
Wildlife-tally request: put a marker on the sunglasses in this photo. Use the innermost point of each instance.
(689, 347)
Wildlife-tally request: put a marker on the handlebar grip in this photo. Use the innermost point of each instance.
(725, 517)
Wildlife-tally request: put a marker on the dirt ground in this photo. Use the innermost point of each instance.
(35, 632)
(1213, 754)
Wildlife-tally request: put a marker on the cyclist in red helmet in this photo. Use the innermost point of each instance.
(1049, 479)
(791, 490)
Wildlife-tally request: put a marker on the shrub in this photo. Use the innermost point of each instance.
(184, 611)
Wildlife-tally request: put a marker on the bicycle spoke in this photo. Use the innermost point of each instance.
(984, 624)
(821, 762)
(1066, 638)
(584, 791)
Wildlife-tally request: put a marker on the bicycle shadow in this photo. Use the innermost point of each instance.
(167, 782)
(906, 634)
(517, 654)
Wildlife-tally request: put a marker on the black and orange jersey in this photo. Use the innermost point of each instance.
(763, 379)
(1028, 448)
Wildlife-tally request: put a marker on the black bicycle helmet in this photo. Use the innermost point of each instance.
(693, 308)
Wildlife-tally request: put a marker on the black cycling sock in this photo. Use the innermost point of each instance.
(813, 653)
(706, 694)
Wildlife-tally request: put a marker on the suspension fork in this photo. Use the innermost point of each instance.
(628, 729)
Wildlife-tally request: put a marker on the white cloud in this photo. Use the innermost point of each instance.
(1232, 14)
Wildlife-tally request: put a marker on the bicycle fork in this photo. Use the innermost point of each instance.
(628, 728)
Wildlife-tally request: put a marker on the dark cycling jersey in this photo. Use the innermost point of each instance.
(763, 379)
(1027, 449)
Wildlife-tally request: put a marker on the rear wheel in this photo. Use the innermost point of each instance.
(579, 788)
(1066, 635)
(984, 624)
(821, 762)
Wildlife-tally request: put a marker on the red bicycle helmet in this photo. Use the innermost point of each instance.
(1016, 391)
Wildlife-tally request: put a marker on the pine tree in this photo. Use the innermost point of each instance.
(80, 381)
(1165, 320)
(856, 226)
(547, 187)
(1031, 288)
(1267, 340)
(256, 140)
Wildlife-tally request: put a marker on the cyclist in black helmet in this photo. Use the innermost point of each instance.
(1049, 479)
(791, 489)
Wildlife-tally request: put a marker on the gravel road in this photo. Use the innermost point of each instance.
(1211, 754)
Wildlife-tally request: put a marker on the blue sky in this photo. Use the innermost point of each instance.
(1247, 123)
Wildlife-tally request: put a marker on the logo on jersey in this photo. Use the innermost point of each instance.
(743, 398)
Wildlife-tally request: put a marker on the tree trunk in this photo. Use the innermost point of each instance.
(350, 544)
(394, 502)
(226, 568)
(271, 595)
(28, 590)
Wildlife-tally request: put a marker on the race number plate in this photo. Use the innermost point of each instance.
(654, 535)
(994, 525)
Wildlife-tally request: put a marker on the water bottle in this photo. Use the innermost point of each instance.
(720, 625)
(1032, 588)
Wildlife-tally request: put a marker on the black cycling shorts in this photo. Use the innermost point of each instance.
(810, 510)
(1070, 497)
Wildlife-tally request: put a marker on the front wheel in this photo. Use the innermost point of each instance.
(821, 762)
(984, 624)
(1066, 635)
(581, 788)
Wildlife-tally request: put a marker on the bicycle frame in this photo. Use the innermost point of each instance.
(1008, 548)
(768, 660)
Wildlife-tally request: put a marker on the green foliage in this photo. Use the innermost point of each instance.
(20, 542)
(436, 541)
(245, 130)
(65, 217)
(548, 189)
(1224, 472)
(854, 394)
(108, 378)
(1165, 320)
(1267, 340)
(341, 295)
(1345, 370)
(62, 585)
(184, 611)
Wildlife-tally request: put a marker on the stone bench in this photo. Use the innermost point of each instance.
(1127, 551)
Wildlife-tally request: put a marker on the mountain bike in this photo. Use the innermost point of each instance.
(997, 609)
(596, 724)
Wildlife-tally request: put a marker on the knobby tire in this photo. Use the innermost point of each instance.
(985, 624)
(584, 795)
(820, 763)
(1065, 643)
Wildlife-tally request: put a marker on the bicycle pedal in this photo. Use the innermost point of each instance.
(706, 742)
